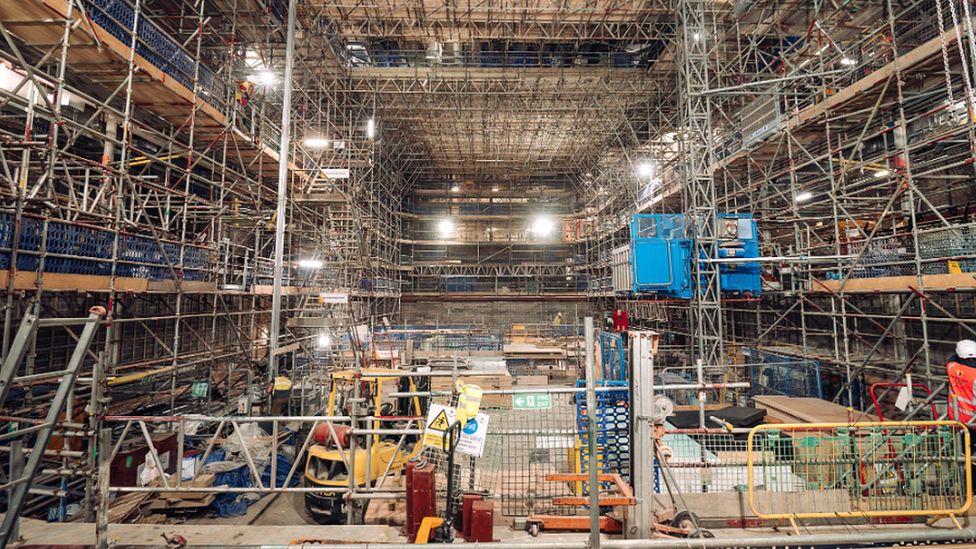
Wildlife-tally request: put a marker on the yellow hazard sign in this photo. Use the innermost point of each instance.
(473, 431)
(439, 419)
(440, 422)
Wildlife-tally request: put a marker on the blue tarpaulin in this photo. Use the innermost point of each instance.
(231, 505)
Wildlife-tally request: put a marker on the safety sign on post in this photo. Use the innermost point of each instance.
(474, 433)
(439, 419)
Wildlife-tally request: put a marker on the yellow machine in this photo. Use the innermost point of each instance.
(373, 456)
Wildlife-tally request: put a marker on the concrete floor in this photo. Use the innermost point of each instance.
(37, 533)
(283, 510)
(280, 510)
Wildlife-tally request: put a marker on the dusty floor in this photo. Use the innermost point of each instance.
(280, 510)
(36, 532)
(283, 510)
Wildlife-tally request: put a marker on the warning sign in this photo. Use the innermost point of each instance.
(440, 422)
(474, 433)
(439, 419)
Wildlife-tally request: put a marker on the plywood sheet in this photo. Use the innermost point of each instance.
(808, 410)
(887, 284)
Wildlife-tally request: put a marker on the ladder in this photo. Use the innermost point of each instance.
(19, 482)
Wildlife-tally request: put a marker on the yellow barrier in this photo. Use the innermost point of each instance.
(840, 470)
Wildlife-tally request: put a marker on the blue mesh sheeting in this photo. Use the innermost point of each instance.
(82, 249)
(155, 46)
(612, 429)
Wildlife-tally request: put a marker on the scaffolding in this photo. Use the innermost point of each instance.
(139, 162)
(854, 150)
(140, 143)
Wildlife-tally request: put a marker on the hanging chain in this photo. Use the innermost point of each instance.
(945, 51)
(962, 56)
(969, 30)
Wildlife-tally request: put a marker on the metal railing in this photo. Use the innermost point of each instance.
(837, 470)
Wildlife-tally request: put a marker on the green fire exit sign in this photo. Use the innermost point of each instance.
(531, 401)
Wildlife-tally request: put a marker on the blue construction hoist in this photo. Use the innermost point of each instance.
(660, 254)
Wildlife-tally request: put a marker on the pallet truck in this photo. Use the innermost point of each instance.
(623, 497)
(437, 529)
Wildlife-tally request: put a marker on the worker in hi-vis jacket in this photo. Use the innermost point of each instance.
(961, 370)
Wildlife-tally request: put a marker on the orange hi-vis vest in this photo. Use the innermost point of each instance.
(962, 385)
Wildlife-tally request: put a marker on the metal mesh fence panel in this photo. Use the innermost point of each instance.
(864, 470)
(536, 443)
(471, 475)
(525, 444)
(699, 463)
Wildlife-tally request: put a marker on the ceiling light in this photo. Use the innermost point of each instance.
(589, 174)
(252, 59)
(310, 263)
(542, 227)
(370, 128)
(882, 173)
(455, 189)
(445, 228)
(696, 36)
(847, 61)
(316, 142)
(804, 196)
(645, 169)
(266, 78)
(324, 341)
(494, 189)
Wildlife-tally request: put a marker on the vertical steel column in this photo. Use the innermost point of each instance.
(16, 469)
(698, 190)
(591, 433)
(642, 437)
(104, 474)
(282, 194)
(903, 175)
(188, 178)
